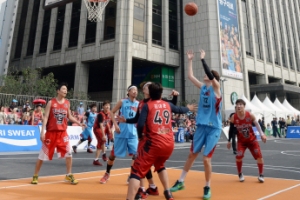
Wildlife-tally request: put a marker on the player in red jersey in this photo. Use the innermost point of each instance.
(37, 115)
(152, 189)
(157, 144)
(102, 128)
(243, 121)
(57, 113)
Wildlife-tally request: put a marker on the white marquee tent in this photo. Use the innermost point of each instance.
(279, 105)
(290, 107)
(278, 112)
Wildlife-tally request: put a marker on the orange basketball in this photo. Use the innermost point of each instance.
(191, 9)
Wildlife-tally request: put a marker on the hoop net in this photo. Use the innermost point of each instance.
(95, 9)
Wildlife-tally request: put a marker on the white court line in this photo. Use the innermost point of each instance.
(288, 153)
(280, 191)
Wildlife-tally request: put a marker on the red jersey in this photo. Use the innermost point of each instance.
(158, 124)
(37, 118)
(107, 122)
(244, 128)
(58, 120)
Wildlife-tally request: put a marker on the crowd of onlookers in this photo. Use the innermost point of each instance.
(185, 121)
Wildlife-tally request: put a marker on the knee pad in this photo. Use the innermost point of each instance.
(112, 158)
(149, 174)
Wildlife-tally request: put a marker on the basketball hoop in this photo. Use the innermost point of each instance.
(95, 9)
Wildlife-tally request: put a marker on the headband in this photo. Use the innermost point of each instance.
(148, 83)
(133, 86)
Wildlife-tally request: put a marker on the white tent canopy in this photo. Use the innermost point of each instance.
(278, 112)
(260, 105)
(290, 107)
(279, 105)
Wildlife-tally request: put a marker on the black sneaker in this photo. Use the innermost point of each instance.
(168, 195)
(74, 148)
(207, 193)
(140, 195)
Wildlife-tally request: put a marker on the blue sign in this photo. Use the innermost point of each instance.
(19, 138)
(256, 133)
(230, 39)
(293, 132)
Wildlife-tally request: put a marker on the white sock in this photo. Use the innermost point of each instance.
(153, 186)
(143, 189)
(183, 175)
(96, 159)
(208, 184)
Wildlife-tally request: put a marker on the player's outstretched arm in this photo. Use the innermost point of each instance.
(174, 99)
(46, 117)
(132, 120)
(262, 135)
(183, 110)
(112, 115)
(193, 79)
(215, 82)
(142, 120)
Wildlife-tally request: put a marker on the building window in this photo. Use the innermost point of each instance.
(75, 21)
(256, 27)
(45, 31)
(139, 20)
(173, 27)
(281, 39)
(33, 26)
(266, 33)
(110, 20)
(288, 29)
(20, 37)
(157, 23)
(246, 28)
(273, 35)
(59, 28)
(90, 35)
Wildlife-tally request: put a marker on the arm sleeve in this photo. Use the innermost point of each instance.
(207, 70)
(173, 100)
(100, 118)
(178, 109)
(87, 114)
(142, 120)
(135, 119)
(230, 133)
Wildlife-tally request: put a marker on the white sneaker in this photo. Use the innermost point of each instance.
(261, 178)
(241, 177)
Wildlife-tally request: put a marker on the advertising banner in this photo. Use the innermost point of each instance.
(230, 39)
(293, 132)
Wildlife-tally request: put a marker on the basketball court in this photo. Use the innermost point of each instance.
(282, 176)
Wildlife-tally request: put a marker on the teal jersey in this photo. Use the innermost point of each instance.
(209, 109)
(128, 110)
(91, 119)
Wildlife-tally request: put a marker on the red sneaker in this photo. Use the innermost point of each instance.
(153, 192)
(104, 158)
(140, 195)
(96, 162)
(89, 150)
(105, 178)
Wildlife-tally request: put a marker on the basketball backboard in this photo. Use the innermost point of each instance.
(49, 4)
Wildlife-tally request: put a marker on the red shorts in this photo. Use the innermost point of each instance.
(253, 147)
(99, 135)
(58, 140)
(151, 154)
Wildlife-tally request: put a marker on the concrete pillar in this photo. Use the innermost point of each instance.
(66, 33)
(165, 29)
(51, 35)
(38, 34)
(149, 28)
(123, 49)
(99, 37)
(261, 79)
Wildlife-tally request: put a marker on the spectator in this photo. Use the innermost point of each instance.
(12, 117)
(298, 122)
(191, 131)
(13, 104)
(282, 126)
(275, 128)
(37, 115)
(263, 125)
(26, 116)
(288, 121)
(80, 109)
(3, 116)
(293, 122)
(26, 105)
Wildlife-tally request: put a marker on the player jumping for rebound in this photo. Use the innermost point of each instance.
(57, 113)
(209, 122)
(102, 128)
(157, 143)
(247, 139)
(125, 137)
(87, 132)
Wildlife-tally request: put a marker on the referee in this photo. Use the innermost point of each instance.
(232, 135)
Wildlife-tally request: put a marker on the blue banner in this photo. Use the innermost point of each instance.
(230, 39)
(19, 138)
(293, 132)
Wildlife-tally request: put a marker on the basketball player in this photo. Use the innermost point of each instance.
(57, 113)
(208, 121)
(87, 132)
(37, 115)
(102, 128)
(152, 190)
(125, 134)
(247, 139)
(157, 144)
